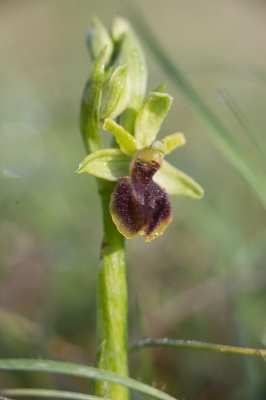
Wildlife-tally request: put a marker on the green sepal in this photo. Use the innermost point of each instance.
(97, 39)
(109, 164)
(90, 106)
(177, 183)
(128, 144)
(115, 94)
(173, 141)
(151, 116)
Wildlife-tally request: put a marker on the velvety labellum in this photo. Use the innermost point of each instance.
(138, 204)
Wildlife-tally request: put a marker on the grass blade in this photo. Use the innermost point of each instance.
(253, 133)
(84, 371)
(58, 394)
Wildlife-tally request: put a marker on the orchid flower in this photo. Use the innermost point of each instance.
(139, 203)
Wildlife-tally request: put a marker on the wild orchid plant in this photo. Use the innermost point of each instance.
(133, 179)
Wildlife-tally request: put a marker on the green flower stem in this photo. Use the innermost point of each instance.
(112, 303)
(193, 344)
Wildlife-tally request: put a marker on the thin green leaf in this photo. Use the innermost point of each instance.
(254, 134)
(263, 356)
(173, 141)
(50, 394)
(84, 371)
(151, 116)
(196, 345)
(177, 183)
(217, 131)
(109, 164)
(128, 144)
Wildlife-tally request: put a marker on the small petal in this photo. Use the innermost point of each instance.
(128, 144)
(151, 116)
(110, 164)
(173, 141)
(177, 183)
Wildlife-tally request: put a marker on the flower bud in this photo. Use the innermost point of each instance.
(115, 93)
(120, 26)
(90, 106)
(97, 39)
(130, 53)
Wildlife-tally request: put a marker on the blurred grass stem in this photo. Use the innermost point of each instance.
(192, 344)
(253, 133)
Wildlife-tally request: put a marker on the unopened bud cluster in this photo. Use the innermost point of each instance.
(125, 74)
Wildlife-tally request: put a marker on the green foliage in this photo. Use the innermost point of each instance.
(57, 367)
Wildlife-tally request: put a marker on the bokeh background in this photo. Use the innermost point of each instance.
(204, 279)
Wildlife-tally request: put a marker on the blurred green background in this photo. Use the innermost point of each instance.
(204, 279)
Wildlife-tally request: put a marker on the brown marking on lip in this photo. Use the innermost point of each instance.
(139, 205)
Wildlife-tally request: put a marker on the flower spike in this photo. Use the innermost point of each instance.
(114, 96)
